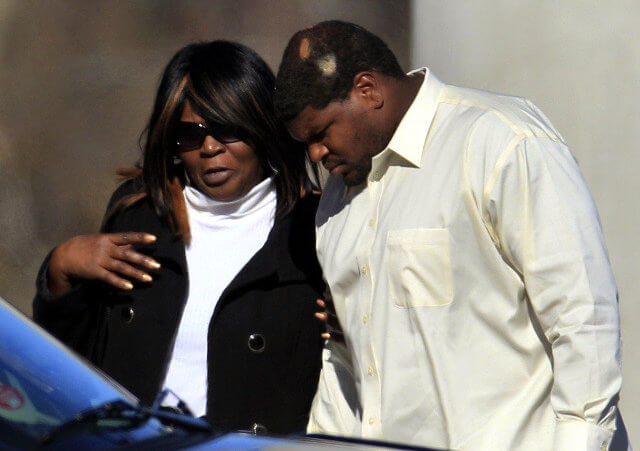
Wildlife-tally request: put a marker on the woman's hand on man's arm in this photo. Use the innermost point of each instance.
(108, 257)
(329, 318)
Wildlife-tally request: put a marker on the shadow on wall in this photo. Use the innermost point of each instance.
(20, 242)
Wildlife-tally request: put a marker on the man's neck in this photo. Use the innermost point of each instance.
(407, 91)
(401, 93)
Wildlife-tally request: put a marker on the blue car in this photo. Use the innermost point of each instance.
(52, 399)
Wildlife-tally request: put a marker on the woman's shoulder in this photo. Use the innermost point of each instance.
(302, 217)
(307, 205)
(127, 188)
(129, 202)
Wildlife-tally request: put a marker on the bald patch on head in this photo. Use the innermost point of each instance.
(305, 49)
(327, 65)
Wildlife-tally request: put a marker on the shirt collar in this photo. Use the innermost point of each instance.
(198, 203)
(409, 138)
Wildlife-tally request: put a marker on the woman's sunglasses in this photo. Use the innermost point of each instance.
(191, 135)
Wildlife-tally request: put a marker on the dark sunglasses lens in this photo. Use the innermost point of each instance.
(228, 133)
(189, 136)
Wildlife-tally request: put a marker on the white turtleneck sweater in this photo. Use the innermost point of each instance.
(224, 237)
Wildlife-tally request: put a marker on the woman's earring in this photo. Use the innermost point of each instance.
(176, 160)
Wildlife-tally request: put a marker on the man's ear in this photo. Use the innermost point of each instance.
(367, 88)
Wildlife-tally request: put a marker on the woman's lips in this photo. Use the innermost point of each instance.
(215, 177)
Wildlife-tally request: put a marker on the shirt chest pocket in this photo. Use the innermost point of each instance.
(419, 267)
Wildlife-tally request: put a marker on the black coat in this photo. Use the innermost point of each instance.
(264, 341)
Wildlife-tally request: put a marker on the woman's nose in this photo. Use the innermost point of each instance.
(211, 145)
(317, 152)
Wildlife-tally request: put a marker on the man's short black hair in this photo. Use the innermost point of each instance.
(320, 62)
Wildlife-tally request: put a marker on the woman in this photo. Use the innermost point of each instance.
(204, 276)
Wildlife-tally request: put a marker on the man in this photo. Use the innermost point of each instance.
(463, 252)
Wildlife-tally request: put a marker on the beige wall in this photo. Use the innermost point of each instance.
(77, 83)
(578, 60)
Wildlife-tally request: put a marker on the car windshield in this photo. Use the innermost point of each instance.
(42, 384)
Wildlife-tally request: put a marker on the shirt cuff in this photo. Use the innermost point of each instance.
(576, 435)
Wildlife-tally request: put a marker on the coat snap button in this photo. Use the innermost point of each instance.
(127, 314)
(258, 429)
(256, 343)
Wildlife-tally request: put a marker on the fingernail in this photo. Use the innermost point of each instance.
(154, 264)
(150, 237)
(147, 278)
(325, 336)
(127, 286)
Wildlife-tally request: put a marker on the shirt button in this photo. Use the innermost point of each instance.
(365, 318)
(372, 222)
(364, 270)
(372, 420)
(371, 372)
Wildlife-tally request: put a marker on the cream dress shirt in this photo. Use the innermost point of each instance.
(471, 279)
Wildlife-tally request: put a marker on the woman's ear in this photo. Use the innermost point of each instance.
(367, 87)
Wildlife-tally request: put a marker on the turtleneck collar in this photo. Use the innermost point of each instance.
(260, 195)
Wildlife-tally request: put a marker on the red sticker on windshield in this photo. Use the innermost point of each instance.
(10, 398)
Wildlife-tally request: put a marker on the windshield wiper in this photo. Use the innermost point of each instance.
(117, 409)
(122, 410)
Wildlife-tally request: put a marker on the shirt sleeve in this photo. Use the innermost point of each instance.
(547, 228)
(335, 406)
(72, 317)
(48, 307)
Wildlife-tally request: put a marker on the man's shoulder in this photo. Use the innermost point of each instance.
(494, 126)
(518, 115)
